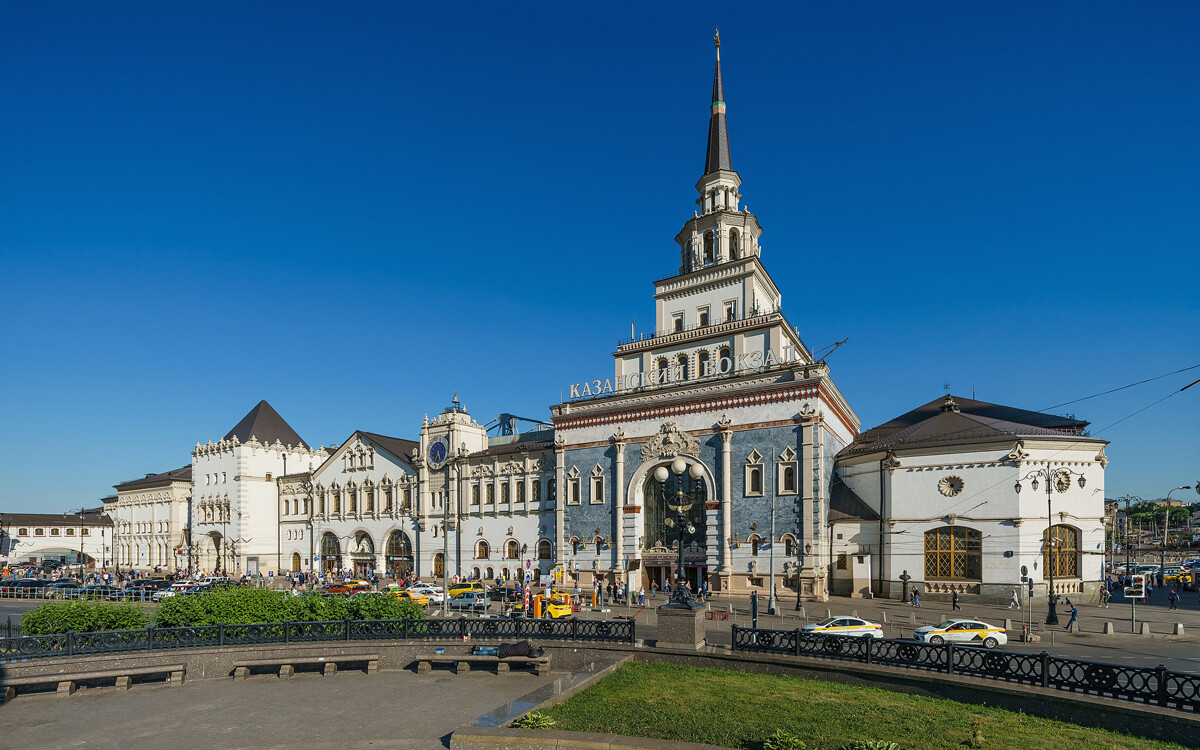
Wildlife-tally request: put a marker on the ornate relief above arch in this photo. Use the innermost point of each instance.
(670, 441)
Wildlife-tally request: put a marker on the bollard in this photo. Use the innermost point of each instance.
(1108, 628)
(912, 618)
(1008, 623)
(1178, 629)
(829, 613)
(884, 617)
(854, 613)
(1145, 629)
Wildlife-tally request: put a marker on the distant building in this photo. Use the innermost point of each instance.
(66, 538)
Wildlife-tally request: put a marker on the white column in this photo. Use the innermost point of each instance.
(726, 501)
(560, 541)
(619, 524)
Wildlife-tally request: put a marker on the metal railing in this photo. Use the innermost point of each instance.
(152, 639)
(1151, 685)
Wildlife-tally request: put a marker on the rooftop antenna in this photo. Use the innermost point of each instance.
(946, 388)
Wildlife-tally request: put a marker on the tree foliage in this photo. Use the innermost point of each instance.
(242, 606)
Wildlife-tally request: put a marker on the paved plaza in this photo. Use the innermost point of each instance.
(390, 709)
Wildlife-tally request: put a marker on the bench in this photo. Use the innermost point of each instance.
(68, 682)
(537, 664)
(287, 664)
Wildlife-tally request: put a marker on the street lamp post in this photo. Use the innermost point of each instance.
(681, 594)
(1061, 478)
(1162, 560)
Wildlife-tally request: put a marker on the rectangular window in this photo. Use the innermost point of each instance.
(22, 532)
(677, 322)
(597, 490)
(573, 489)
(702, 316)
(407, 498)
(754, 484)
(841, 561)
(787, 478)
(474, 494)
(520, 490)
(731, 310)
(504, 493)
(537, 490)
(491, 493)
(53, 532)
(552, 490)
(70, 532)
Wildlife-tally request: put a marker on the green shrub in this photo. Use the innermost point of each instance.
(782, 740)
(533, 720)
(872, 745)
(242, 606)
(82, 617)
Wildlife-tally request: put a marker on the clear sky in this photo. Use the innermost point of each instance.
(353, 210)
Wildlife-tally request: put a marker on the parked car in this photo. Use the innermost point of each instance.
(409, 596)
(433, 593)
(96, 591)
(341, 588)
(852, 627)
(503, 594)
(28, 588)
(471, 601)
(971, 632)
(465, 586)
(176, 588)
(63, 588)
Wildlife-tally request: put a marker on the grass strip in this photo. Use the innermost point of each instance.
(741, 710)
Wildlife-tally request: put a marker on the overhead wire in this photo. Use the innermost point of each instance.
(1114, 390)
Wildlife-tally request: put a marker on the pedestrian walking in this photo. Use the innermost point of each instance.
(1104, 597)
(916, 596)
(954, 601)
(1013, 602)
(1173, 598)
(1074, 617)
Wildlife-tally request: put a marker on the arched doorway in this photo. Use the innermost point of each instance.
(398, 555)
(439, 569)
(661, 547)
(331, 553)
(362, 555)
(211, 547)
(295, 562)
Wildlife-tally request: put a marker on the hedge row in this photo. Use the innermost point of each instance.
(232, 606)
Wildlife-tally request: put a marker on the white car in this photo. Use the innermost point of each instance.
(971, 632)
(847, 626)
(176, 588)
(435, 594)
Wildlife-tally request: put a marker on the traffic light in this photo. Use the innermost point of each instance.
(1030, 579)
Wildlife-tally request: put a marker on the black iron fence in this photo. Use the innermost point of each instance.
(1152, 685)
(18, 648)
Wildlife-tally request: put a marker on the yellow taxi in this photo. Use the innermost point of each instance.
(408, 596)
(971, 632)
(846, 626)
(554, 606)
(465, 587)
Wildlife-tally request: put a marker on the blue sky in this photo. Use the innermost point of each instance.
(353, 210)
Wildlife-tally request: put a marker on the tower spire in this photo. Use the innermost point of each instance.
(717, 156)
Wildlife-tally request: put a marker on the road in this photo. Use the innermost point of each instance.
(1179, 653)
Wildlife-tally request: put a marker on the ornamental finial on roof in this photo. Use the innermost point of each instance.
(717, 38)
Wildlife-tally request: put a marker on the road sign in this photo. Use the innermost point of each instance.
(1137, 587)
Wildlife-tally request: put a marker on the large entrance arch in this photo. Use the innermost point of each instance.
(362, 554)
(658, 546)
(398, 555)
(331, 553)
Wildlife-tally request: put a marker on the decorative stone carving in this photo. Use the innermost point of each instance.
(890, 462)
(1018, 453)
(951, 486)
(512, 467)
(670, 441)
(1062, 480)
(724, 422)
(618, 436)
(545, 463)
(1102, 459)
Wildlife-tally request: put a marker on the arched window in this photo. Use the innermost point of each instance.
(702, 364)
(789, 546)
(543, 550)
(574, 545)
(398, 556)
(663, 364)
(755, 543)
(439, 569)
(953, 552)
(709, 250)
(682, 361)
(504, 493)
(337, 502)
(735, 247)
(512, 550)
(331, 552)
(1061, 556)
(482, 550)
(755, 480)
(370, 501)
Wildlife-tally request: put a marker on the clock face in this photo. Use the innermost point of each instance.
(437, 453)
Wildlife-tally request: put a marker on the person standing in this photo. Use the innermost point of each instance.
(916, 596)
(954, 601)
(1104, 597)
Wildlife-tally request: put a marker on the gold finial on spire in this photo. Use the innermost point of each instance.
(717, 38)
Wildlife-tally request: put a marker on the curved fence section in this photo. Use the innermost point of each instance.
(1156, 685)
(152, 639)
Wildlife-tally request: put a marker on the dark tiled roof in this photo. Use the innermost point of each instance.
(846, 505)
(950, 419)
(55, 519)
(517, 447)
(403, 449)
(717, 156)
(182, 474)
(264, 424)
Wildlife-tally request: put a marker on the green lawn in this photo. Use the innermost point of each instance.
(740, 710)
